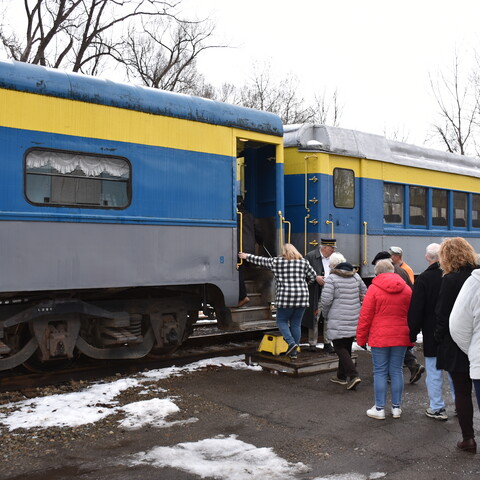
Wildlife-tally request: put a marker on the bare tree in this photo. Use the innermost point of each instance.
(82, 35)
(163, 55)
(457, 98)
(262, 92)
(327, 110)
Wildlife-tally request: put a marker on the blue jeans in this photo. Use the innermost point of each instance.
(289, 322)
(388, 361)
(434, 382)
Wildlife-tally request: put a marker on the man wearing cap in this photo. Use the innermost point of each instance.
(410, 361)
(397, 269)
(397, 259)
(319, 260)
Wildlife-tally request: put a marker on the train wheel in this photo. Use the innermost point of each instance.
(16, 347)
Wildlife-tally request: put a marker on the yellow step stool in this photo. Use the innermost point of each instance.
(275, 344)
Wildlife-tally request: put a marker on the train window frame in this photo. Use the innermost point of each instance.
(475, 196)
(401, 210)
(454, 210)
(411, 189)
(444, 222)
(350, 195)
(96, 181)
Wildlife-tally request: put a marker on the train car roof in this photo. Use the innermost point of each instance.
(340, 141)
(40, 80)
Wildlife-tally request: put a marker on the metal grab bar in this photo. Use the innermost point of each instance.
(331, 223)
(240, 235)
(365, 243)
(282, 221)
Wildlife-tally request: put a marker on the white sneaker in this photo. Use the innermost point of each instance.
(396, 412)
(374, 413)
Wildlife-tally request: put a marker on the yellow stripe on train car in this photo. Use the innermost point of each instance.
(28, 111)
(325, 163)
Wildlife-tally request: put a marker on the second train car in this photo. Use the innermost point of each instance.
(371, 193)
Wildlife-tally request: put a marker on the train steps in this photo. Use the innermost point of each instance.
(256, 314)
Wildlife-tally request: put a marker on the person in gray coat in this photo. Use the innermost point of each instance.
(341, 301)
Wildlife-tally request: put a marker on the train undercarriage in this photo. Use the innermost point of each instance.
(129, 324)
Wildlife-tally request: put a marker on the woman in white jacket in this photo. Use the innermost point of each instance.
(341, 300)
(465, 326)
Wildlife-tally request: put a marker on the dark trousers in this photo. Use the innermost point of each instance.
(346, 367)
(410, 360)
(242, 290)
(462, 385)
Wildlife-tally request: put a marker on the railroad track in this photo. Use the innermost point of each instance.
(206, 342)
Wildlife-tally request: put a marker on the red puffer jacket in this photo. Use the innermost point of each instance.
(383, 317)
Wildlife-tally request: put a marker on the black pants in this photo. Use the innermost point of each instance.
(346, 367)
(462, 384)
(410, 360)
(242, 290)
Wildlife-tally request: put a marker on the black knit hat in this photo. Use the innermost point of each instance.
(345, 266)
(381, 256)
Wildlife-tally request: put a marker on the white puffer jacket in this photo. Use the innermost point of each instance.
(464, 322)
(341, 302)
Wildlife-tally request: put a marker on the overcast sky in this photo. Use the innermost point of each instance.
(378, 53)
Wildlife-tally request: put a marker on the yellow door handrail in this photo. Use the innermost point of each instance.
(282, 222)
(329, 222)
(365, 243)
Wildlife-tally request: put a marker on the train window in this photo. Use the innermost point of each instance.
(393, 203)
(459, 209)
(475, 211)
(343, 188)
(58, 178)
(417, 206)
(439, 207)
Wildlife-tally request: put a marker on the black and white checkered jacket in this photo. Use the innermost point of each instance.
(292, 278)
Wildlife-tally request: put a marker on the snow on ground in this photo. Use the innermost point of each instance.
(220, 457)
(98, 401)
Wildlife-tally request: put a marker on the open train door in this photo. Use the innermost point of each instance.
(260, 186)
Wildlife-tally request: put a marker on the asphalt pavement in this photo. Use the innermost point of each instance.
(307, 419)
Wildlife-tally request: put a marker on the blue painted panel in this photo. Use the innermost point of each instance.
(45, 81)
(168, 185)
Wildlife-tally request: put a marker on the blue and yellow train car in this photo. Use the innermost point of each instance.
(371, 193)
(118, 213)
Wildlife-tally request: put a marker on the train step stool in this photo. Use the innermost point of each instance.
(269, 357)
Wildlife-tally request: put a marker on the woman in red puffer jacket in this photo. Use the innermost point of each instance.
(383, 325)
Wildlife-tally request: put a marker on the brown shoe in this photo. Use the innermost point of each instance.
(243, 302)
(469, 445)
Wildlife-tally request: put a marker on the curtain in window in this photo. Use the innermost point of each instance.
(67, 163)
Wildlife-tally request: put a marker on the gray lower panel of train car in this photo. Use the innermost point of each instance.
(37, 256)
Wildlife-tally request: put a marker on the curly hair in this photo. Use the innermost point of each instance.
(456, 253)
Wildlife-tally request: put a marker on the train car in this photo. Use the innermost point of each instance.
(118, 218)
(371, 193)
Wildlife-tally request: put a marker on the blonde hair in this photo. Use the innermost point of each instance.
(289, 252)
(335, 259)
(384, 266)
(456, 253)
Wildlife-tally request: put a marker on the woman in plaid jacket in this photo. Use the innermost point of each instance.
(292, 275)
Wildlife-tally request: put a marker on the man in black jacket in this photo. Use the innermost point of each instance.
(421, 317)
(313, 319)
